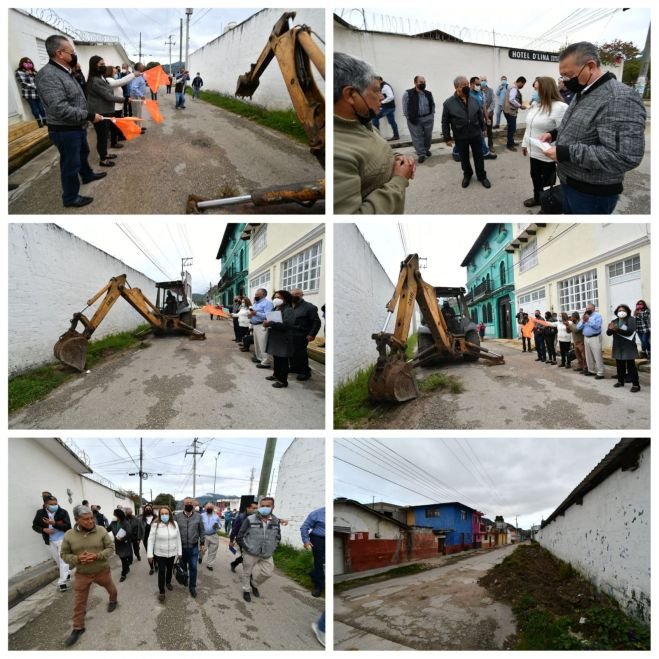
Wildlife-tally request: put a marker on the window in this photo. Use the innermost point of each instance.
(528, 255)
(262, 281)
(259, 240)
(474, 314)
(502, 273)
(463, 515)
(432, 512)
(537, 297)
(302, 270)
(626, 267)
(489, 313)
(576, 292)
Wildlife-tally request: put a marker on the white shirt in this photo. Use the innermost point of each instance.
(388, 93)
(538, 122)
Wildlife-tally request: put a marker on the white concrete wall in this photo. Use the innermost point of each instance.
(359, 521)
(34, 469)
(230, 55)
(24, 34)
(608, 538)
(52, 274)
(361, 290)
(300, 485)
(398, 58)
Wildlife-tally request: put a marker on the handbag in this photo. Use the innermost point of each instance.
(551, 200)
(571, 355)
(180, 574)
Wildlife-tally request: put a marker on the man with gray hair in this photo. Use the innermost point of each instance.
(87, 547)
(368, 177)
(419, 109)
(307, 325)
(67, 116)
(601, 136)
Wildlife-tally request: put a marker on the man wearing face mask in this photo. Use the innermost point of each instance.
(67, 115)
(512, 104)
(257, 316)
(463, 121)
(368, 177)
(192, 533)
(601, 137)
(53, 522)
(489, 104)
(307, 325)
(591, 326)
(419, 108)
(501, 96)
(212, 524)
(259, 536)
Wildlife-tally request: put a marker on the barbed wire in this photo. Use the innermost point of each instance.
(56, 21)
(84, 458)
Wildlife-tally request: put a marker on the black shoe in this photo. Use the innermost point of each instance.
(255, 360)
(421, 159)
(233, 566)
(302, 378)
(394, 138)
(209, 567)
(588, 373)
(142, 131)
(247, 597)
(74, 636)
(193, 592)
(619, 384)
(111, 606)
(280, 385)
(538, 359)
(138, 558)
(122, 578)
(486, 183)
(428, 154)
(63, 588)
(465, 181)
(116, 146)
(97, 176)
(490, 156)
(79, 201)
(255, 591)
(259, 365)
(635, 388)
(511, 148)
(456, 158)
(151, 571)
(272, 378)
(316, 592)
(530, 203)
(200, 559)
(497, 126)
(599, 377)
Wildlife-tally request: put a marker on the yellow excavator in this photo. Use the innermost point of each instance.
(167, 316)
(295, 51)
(443, 335)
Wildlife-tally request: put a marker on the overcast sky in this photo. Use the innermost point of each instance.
(156, 25)
(524, 20)
(114, 459)
(524, 477)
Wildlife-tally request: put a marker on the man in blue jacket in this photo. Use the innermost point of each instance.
(313, 537)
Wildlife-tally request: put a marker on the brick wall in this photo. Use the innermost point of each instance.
(424, 544)
(51, 275)
(361, 289)
(365, 554)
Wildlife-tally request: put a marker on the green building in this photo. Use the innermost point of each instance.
(234, 254)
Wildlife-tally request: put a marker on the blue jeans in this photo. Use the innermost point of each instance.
(321, 622)
(180, 99)
(512, 127)
(37, 109)
(582, 203)
(498, 115)
(189, 559)
(390, 114)
(645, 342)
(73, 161)
(195, 92)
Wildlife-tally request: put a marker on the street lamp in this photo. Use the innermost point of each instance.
(215, 476)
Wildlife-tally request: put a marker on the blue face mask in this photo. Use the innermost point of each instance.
(265, 511)
(53, 509)
(164, 518)
(535, 96)
(484, 84)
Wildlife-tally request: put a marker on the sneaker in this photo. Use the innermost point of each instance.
(319, 635)
(63, 588)
(74, 636)
(209, 567)
(246, 596)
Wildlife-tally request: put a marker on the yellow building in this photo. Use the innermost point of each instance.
(563, 267)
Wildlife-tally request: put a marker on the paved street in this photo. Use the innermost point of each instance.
(179, 383)
(437, 189)
(440, 609)
(201, 150)
(218, 619)
(522, 394)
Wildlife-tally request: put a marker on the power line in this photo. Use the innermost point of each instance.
(128, 454)
(126, 232)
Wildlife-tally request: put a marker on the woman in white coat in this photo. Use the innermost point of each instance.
(243, 321)
(543, 117)
(164, 547)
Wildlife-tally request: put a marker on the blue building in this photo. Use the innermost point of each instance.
(490, 281)
(457, 526)
(234, 254)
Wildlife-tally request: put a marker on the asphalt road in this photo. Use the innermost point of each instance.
(437, 189)
(178, 383)
(201, 150)
(440, 609)
(218, 619)
(521, 394)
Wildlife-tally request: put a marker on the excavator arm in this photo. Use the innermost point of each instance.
(71, 349)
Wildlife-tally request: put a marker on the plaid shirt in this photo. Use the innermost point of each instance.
(28, 86)
(643, 322)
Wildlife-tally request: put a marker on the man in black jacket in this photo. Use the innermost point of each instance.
(419, 108)
(53, 522)
(307, 325)
(462, 121)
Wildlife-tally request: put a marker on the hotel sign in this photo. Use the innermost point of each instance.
(532, 55)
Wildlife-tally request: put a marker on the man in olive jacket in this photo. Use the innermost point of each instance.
(307, 325)
(67, 115)
(259, 536)
(87, 547)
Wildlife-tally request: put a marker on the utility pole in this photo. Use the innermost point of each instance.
(180, 43)
(188, 13)
(170, 43)
(139, 57)
(215, 476)
(194, 453)
(266, 467)
(645, 65)
(251, 480)
(185, 261)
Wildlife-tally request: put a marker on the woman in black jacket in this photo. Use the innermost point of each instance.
(122, 545)
(280, 338)
(623, 330)
(550, 339)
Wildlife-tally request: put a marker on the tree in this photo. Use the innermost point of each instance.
(613, 52)
(165, 500)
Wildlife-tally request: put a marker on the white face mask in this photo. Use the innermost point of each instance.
(278, 302)
(622, 314)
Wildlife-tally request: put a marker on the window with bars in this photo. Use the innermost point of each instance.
(262, 281)
(528, 255)
(463, 515)
(536, 296)
(625, 267)
(432, 512)
(259, 240)
(576, 292)
(303, 270)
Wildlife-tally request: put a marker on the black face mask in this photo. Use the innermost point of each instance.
(465, 91)
(188, 508)
(74, 60)
(422, 87)
(102, 70)
(573, 84)
(365, 120)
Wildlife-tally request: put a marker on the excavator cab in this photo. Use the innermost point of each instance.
(173, 300)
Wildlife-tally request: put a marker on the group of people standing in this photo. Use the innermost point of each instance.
(580, 339)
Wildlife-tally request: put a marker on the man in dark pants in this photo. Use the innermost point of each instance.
(387, 109)
(307, 325)
(235, 308)
(192, 533)
(313, 537)
(67, 116)
(250, 509)
(513, 103)
(539, 338)
(462, 118)
(136, 531)
(419, 109)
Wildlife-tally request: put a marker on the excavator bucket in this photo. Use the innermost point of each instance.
(392, 381)
(71, 349)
